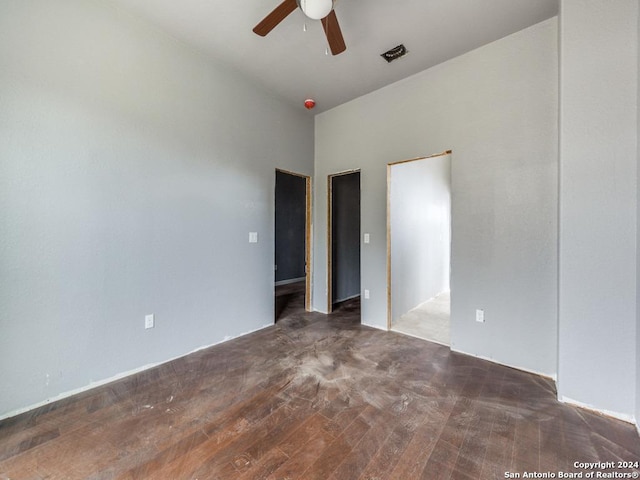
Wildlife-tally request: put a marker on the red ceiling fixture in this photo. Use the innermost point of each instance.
(309, 103)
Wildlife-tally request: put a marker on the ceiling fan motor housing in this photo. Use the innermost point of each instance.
(329, 20)
(316, 9)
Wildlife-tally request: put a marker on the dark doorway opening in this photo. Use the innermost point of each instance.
(292, 235)
(344, 238)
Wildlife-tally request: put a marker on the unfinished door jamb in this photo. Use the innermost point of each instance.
(307, 237)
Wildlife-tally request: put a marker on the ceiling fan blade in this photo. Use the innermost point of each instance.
(333, 33)
(270, 22)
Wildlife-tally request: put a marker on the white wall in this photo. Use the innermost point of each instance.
(131, 172)
(420, 220)
(598, 204)
(496, 108)
(638, 253)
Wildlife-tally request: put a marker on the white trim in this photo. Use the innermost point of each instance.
(420, 338)
(118, 376)
(346, 299)
(291, 280)
(377, 327)
(562, 399)
(522, 369)
(620, 416)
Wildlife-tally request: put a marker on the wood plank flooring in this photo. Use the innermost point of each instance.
(314, 397)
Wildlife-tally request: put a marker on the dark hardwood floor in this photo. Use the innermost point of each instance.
(289, 295)
(314, 397)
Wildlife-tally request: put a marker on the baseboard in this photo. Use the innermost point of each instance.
(290, 281)
(428, 300)
(420, 338)
(552, 377)
(591, 408)
(346, 299)
(377, 327)
(118, 376)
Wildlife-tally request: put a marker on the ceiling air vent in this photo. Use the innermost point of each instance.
(395, 53)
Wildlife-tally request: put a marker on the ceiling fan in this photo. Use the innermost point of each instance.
(314, 9)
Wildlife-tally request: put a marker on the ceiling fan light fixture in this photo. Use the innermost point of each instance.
(327, 17)
(316, 9)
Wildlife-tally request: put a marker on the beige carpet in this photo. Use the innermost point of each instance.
(429, 320)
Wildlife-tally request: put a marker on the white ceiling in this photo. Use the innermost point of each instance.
(292, 63)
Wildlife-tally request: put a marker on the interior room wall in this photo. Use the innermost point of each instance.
(290, 227)
(420, 227)
(132, 170)
(637, 415)
(496, 108)
(345, 234)
(598, 204)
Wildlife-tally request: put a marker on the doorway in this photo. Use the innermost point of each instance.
(343, 238)
(419, 247)
(292, 255)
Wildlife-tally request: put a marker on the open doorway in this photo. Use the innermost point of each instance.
(343, 239)
(292, 282)
(419, 247)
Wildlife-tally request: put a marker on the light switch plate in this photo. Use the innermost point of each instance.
(366, 238)
(253, 237)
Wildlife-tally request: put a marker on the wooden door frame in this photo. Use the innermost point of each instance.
(389, 165)
(307, 235)
(330, 178)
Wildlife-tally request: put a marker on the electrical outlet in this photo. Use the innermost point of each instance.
(366, 294)
(367, 238)
(149, 321)
(480, 316)
(253, 237)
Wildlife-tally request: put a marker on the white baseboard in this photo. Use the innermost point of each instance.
(118, 376)
(620, 416)
(420, 338)
(345, 299)
(377, 327)
(289, 281)
(552, 376)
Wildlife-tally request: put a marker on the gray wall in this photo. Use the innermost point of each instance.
(496, 108)
(637, 415)
(598, 204)
(345, 237)
(131, 171)
(290, 226)
(420, 225)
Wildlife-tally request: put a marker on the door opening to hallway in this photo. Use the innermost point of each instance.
(419, 247)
